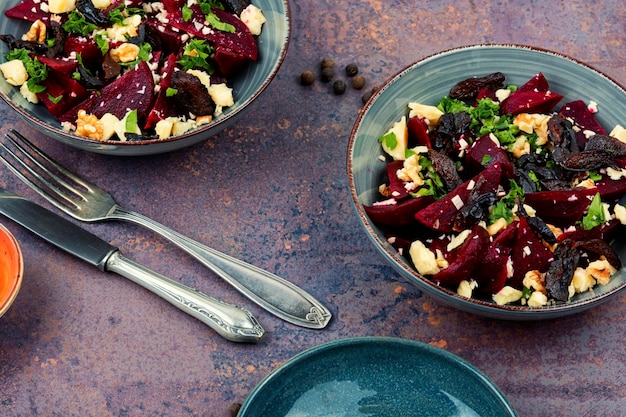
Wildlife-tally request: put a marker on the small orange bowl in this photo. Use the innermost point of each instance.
(11, 269)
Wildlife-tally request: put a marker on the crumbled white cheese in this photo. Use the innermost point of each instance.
(253, 18)
(108, 121)
(502, 94)
(507, 295)
(29, 95)
(466, 288)
(537, 299)
(61, 6)
(620, 213)
(424, 260)
(14, 72)
(431, 113)
(457, 201)
(618, 133)
(458, 240)
(101, 4)
(401, 132)
(582, 281)
(221, 94)
(410, 170)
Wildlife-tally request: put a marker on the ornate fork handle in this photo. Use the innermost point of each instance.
(269, 291)
(232, 322)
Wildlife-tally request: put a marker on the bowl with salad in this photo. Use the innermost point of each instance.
(493, 177)
(138, 77)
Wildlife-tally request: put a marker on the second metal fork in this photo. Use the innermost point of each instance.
(86, 202)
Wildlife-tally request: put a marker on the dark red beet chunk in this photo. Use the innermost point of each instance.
(538, 83)
(529, 102)
(396, 186)
(400, 214)
(28, 10)
(560, 207)
(579, 112)
(485, 152)
(492, 271)
(528, 254)
(440, 215)
(418, 131)
(133, 90)
(61, 93)
(161, 110)
(232, 50)
(469, 255)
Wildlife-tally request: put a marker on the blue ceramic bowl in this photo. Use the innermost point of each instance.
(247, 87)
(374, 376)
(428, 80)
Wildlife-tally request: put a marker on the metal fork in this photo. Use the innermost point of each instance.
(87, 202)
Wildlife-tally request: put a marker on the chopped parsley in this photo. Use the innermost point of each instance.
(503, 209)
(215, 22)
(196, 55)
(389, 140)
(37, 71)
(76, 23)
(595, 214)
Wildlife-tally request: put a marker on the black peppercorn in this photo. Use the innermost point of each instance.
(327, 74)
(358, 82)
(328, 63)
(307, 78)
(339, 87)
(352, 70)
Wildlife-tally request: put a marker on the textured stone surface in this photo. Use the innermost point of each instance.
(273, 190)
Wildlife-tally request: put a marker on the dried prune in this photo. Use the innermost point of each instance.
(91, 13)
(13, 43)
(588, 160)
(468, 89)
(192, 95)
(600, 247)
(606, 143)
(562, 135)
(445, 168)
(561, 271)
(538, 225)
(450, 129)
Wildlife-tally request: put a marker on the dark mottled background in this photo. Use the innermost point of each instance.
(273, 190)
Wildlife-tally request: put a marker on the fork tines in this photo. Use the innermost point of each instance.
(39, 171)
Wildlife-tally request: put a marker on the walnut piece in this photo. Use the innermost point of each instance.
(36, 33)
(89, 126)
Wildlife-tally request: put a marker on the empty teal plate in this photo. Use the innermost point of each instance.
(376, 377)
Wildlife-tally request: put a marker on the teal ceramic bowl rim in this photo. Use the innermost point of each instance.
(375, 235)
(272, 46)
(391, 342)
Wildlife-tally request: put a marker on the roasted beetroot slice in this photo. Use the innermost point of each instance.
(485, 152)
(605, 232)
(400, 214)
(611, 190)
(172, 6)
(528, 254)
(529, 102)
(61, 93)
(468, 256)
(560, 207)
(440, 215)
(492, 271)
(161, 110)
(64, 66)
(579, 112)
(486, 93)
(28, 10)
(418, 132)
(538, 83)
(231, 49)
(133, 90)
(90, 53)
(170, 39)
(396, 186)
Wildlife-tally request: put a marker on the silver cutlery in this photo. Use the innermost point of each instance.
(87, 202)
(232, 322)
